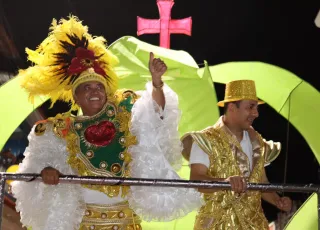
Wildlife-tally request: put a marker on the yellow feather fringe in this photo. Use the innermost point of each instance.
(43, 78)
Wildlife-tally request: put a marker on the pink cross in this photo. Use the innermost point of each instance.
(165, 26)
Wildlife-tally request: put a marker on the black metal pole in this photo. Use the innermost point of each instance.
(2, 192)
(318, 197)
(309, 188)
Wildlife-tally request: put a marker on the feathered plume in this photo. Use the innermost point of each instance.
(63, 56)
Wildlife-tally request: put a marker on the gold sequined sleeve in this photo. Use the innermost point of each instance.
(198, 137)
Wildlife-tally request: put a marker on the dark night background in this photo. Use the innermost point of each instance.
(281, 33)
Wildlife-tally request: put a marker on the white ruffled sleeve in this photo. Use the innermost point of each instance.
(158, 155)
(47, 207)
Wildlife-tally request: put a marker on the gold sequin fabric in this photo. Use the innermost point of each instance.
(225, 210)
(240, 90)
(110, 217)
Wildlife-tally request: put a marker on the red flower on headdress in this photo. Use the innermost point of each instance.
(84, 60)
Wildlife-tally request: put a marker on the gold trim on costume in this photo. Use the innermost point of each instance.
(110, 217)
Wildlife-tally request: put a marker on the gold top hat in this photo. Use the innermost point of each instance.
(240, 90)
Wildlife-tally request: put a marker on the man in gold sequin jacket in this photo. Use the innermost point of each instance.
(232, 151)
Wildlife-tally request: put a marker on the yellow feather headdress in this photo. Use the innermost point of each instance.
(68, 57)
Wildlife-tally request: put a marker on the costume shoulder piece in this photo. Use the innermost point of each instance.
(125, 97)
(59, 125)
(271, 149)
(202, 138)
(41, 127)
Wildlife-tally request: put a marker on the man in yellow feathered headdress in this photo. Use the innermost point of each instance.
(120, 134)
(232, 151)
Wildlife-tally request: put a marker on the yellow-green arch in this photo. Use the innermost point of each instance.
(197, 100)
